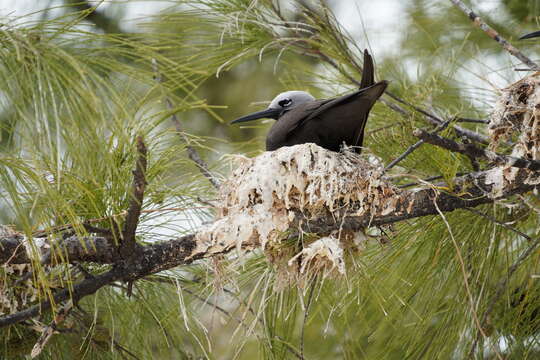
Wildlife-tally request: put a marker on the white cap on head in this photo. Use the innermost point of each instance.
(289, 99)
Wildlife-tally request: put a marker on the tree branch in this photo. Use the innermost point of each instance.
(97, 18)
(192, 152)
(151, 259)
(134, 212)
(474, 152)
(166, 255)
(413, 147)
(495, 35)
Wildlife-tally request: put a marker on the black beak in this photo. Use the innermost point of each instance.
(530, 36)
(268, 113)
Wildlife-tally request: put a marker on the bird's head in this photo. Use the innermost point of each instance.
(281, 103)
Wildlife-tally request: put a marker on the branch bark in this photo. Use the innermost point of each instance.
(134, 212)
(475, 152)
(152, 259)
(157, 257)
(495, 35)
(409, 205)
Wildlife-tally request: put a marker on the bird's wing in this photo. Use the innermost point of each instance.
(361, 101)
(370, 94)
(295, 117)
(357, 105)
(368, 79)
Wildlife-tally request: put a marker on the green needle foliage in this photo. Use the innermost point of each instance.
(73, 100)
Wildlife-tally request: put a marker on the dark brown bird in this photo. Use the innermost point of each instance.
(329, 123)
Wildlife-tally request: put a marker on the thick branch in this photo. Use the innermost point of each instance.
(409, 204)
(151, 259)
(166, 255)
(414, 204)
(371, 200)
(86, 249)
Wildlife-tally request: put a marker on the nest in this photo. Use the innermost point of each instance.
(518, 112)
(15, 297)
(264, 198)
(515, 122)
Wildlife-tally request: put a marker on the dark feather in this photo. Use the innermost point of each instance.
(332, 123)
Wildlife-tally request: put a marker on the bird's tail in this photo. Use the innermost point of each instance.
(368, 72)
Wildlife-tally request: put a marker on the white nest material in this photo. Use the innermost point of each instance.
(516, 118)
(264, 194)
(324, 255)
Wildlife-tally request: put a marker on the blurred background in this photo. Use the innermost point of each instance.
(415, 43)
(77, 84)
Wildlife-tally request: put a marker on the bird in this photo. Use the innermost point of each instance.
(329, 123)
(530, 35)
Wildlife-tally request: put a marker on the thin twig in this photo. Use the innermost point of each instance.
(435, 120)
(134, 212)
(472, 121)
(49, 330)
(495, 35)
(371, 132)
(474, 152)
(192, 152)
(431, 178)
(504, 225)
(414, 147)
(407, 152)
(13, 255)
(501, 286)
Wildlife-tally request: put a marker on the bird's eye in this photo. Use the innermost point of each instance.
(285, 102)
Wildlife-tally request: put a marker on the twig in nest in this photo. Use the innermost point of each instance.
(192, 153)
(431, 178)
(495, 35)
